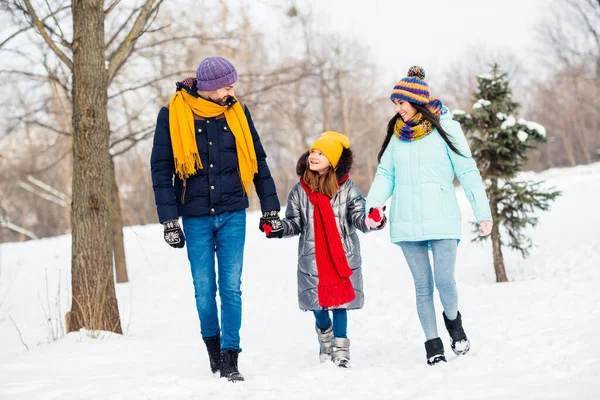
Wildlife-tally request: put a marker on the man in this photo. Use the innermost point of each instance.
(206, 156)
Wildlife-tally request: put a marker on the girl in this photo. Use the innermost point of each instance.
(325, 208)
(422, 151)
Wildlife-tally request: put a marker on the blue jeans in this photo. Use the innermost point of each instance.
(223, 235)
(340, 321)
(444, 261)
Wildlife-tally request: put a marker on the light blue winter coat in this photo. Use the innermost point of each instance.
(418, 175)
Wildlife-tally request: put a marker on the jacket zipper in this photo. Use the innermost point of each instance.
(183, 191)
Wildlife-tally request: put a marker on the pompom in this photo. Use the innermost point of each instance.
(416, 71)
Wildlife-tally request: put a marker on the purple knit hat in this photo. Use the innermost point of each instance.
(215, 73)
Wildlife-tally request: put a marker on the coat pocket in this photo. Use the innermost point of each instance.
(201, 138)
(431, 205)
(227, 139)
(450, 208)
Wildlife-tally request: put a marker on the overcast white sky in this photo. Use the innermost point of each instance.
(431, 33)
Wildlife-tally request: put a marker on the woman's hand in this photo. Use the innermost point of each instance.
(485, 228)
(375, 218)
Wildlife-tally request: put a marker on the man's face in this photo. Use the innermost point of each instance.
(219, 96)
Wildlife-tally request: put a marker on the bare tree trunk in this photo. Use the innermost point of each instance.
(325, 104)
(583, 137)
(344, 103)
(568, 142)
(117, 228)
(496, 242)
(94, 304)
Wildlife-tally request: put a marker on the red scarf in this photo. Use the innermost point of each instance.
(335, 287)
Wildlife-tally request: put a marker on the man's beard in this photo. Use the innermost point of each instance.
(222, 101)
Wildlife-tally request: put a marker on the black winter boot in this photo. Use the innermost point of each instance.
(229, 365)
(458, 339)
(213, 345)
(435, 351)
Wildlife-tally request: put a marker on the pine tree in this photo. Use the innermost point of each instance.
(500, 143)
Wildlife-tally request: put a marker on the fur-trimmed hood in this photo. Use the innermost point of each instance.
(343, 168)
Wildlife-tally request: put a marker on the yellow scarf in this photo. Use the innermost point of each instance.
(182, 108)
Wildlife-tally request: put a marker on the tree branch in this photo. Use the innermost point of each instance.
(121, 54)
(43, 125)
(591, 26)
(148, 83)
(110, 8)
(277, 84)
(62, 35)
(14, 35)
(132, 135)
(24, 73)
(130, 146)
(201, 37)
(116, 34)
(25, 29)
(39, 26)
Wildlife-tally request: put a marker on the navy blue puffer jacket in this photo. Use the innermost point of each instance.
(217, 187)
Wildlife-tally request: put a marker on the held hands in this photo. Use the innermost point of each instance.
(376, 218)
(173, 234)
(485, 228)
(271, 225)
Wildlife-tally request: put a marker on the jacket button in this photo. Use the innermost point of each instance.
(212, 210)
(199, 130)
(225, 128)
(212, 187)
(208, 121)
(211, 165)
(210, 143)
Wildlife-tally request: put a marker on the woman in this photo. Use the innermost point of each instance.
(422, 151)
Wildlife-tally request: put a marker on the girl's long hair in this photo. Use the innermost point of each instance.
(326, 183)
(429, 116)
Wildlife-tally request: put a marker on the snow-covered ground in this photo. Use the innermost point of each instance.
(533, 338)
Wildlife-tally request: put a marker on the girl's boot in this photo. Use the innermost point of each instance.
(340, 352)
(435, 351)
(458, 339)
(325, 338)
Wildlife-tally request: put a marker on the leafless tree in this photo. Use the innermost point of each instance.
(567, 100)
(92, 63)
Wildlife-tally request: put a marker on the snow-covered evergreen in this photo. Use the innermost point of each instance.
(500, 142)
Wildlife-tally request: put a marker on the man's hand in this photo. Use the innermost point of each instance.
(173, 234)
(271, 224)
(268, 230)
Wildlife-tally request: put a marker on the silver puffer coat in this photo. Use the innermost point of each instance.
(349, 210)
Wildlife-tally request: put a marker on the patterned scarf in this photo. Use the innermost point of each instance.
(335, 287)
(418, 127)
(182, 108)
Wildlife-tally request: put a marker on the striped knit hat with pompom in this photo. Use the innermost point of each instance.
(412, 88)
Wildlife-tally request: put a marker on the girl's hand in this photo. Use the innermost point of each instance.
(375, 217)
(485, 228)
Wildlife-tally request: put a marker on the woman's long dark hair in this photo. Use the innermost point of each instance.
(429, 116)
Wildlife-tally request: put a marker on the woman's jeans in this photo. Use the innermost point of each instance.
(444, 261)
(223, 235)
(340, 321)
